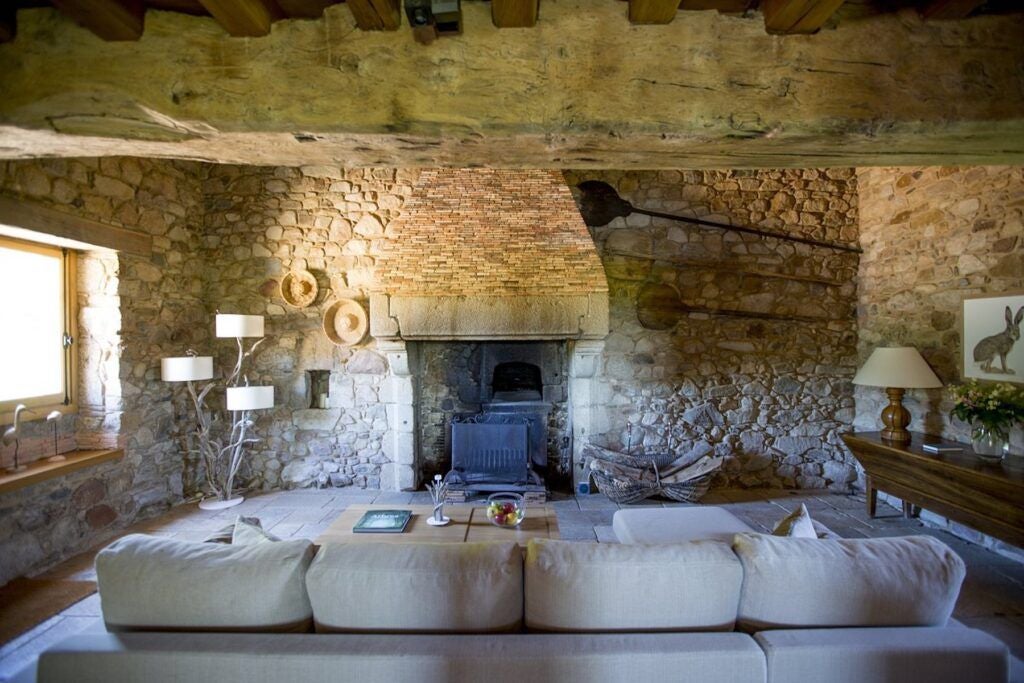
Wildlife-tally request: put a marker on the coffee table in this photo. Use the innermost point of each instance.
(469, 525)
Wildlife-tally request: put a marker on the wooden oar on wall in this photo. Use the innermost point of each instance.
(600, 204)
(659, 307)
(722, 266)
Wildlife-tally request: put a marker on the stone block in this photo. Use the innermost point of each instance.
(316, 419)
(366, 362)
(401, 418)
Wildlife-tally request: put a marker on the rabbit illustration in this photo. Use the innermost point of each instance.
(987, 349)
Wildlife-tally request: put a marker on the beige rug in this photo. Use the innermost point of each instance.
(26, 603)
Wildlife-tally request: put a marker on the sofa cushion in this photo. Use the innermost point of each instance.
(809, 582)
(573, 586)
(417, 588)
(152, 583)
(865, 655)
(647, 526)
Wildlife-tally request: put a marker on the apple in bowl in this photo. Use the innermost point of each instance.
(506, 510)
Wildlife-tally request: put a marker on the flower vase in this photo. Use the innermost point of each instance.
(988, 443)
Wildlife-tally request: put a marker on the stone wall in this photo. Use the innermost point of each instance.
(933, 237)
(133, 311)
(773, 395)
(259, 224)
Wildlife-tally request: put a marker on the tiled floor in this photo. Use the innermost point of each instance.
(992, 598)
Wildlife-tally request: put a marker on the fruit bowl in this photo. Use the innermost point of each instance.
(506, 510)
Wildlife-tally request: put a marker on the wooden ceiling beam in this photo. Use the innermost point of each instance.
(797, 16)
(244, 18)
(376, 15)
(8, 24)
(652, 11)
(727, 6)
(950, 9)
(514, 13)
(109, 19)
(305, 9)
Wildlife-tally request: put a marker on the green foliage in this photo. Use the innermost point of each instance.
(996, 406)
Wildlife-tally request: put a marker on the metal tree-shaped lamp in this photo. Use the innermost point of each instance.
(222, 457)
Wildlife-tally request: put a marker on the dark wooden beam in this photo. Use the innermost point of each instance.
(19, 213)
(514, 13)
(244, 18)
(109, 19)
(305, 9)
(8, 24)
(652, 11)
(728, 6)
(797, 16)
(950, 9)
(376, 15)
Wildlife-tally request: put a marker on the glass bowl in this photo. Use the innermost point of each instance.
(506, 510)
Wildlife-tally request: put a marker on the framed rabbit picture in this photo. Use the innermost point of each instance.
(992, 347)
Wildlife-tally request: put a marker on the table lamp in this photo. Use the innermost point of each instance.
(896, 369)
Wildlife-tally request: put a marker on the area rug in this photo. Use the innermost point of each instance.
(25, 603)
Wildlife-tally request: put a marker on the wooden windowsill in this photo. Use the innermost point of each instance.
(41, 470)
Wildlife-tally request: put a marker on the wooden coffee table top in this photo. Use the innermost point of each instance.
(469, 524)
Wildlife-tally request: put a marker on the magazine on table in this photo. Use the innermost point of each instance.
(383, 522)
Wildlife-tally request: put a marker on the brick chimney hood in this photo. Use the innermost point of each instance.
(489, 254)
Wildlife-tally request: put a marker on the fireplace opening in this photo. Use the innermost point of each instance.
(517, 381)
(494, 414)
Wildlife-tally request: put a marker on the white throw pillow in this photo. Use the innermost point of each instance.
(797, 524)
(820, 583)
(148, 583)
(608, 587)
(249, 531)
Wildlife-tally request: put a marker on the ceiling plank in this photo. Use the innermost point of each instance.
(514, 13)
(109, 19)
(305, 9)
(376, 15)
(727, 6)
(244, 18)
(8, 24)
(950, 9)
(652, 11)
(797, 16)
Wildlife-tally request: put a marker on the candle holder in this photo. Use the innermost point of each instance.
(437, 493)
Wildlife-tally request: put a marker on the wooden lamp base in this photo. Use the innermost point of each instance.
(895, 418)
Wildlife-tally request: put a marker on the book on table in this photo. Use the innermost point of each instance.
(383, 522)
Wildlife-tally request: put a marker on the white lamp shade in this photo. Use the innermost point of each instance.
(250, 398)
(186, 368)
(231, 325)
(899, 367)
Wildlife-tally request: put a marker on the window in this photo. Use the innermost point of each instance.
(37, 318)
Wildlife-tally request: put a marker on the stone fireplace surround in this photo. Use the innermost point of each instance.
(498, 258)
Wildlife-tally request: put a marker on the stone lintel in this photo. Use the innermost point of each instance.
(582, 316)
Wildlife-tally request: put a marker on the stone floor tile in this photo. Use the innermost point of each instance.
(394, 498)
(421, 498)
(298, 499)
(596, 501)
(87, 607)
(605, 534)
(284, 530)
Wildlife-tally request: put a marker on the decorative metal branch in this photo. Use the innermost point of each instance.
(222, 461)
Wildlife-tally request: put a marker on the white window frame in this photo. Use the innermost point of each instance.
(66, 400)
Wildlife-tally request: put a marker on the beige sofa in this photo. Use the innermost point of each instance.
(760, 610)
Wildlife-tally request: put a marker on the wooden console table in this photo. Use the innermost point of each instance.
(960, 486)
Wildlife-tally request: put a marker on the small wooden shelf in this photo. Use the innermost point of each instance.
(41, 470)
